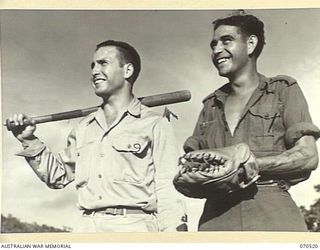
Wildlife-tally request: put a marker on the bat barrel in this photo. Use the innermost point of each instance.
(166, 99)
(150, 101)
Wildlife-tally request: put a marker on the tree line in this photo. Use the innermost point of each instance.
(10, 224)
(312, 215)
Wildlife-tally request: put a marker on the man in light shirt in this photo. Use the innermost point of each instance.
(122, 157)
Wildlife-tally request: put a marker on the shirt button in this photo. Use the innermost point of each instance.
(100, 197)
(100, 176)
(78, 154)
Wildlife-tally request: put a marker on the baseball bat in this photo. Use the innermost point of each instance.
(150, 101)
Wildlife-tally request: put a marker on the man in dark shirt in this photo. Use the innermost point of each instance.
(271, 116)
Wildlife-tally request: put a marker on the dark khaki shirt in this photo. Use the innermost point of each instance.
(275, 117)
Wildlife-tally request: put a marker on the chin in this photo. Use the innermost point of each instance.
(223, 74)
(100, 93)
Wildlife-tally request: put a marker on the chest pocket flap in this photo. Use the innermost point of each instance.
(133, 144)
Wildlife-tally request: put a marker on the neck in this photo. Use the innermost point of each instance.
(116, 104)
(245, 80)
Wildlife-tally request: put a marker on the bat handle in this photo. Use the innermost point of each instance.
(54, 117)
(26, 122)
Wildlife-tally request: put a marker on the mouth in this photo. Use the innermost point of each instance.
(222, 60)
(97, 81)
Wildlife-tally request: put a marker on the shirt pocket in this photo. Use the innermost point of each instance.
(133, 158)
(266, 128)
(84, 159)
(206, 127)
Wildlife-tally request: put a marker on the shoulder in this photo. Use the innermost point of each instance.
(284, 87)
(224, 90)
(282, 80)
(151, 116)
(149, 113)
(85, 121)
(157, 118)
(279, 84)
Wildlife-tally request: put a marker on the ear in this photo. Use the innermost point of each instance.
(252, 43)
(128, 70)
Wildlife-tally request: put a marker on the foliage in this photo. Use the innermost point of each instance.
(12, 224)
(312, 215)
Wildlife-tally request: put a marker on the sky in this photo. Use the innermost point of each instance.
(45, 68)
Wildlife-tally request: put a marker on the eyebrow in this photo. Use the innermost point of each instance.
(226, 37)
(100, 61)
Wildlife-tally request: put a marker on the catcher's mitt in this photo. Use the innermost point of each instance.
(215, 173)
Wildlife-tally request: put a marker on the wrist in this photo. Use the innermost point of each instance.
(29, 141)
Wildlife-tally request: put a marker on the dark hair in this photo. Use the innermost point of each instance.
(127, 53)
(248, 24)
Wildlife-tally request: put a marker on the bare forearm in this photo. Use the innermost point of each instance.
(303, 157)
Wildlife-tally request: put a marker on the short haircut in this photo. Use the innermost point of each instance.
(248, 25)
(127, 53)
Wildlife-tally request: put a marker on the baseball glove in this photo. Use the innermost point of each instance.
(216, 173)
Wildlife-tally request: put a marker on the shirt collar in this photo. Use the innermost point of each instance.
(134, 109)
(222, 93)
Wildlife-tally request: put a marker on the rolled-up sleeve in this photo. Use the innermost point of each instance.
(171, 205)
(56, 171)
(296, 116)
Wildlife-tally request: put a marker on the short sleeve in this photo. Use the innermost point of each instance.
(296, 116)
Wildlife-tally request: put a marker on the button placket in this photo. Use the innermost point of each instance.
(101, 155)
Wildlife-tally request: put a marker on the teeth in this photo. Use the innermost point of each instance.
(222, 60)
(98, 81)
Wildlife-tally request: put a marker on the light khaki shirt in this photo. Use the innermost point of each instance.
(131, 163)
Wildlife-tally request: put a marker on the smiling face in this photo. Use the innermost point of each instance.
(229, 51)
(107, 75)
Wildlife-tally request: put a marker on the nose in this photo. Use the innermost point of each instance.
(95, 69)
(217, 47)
(94, 72)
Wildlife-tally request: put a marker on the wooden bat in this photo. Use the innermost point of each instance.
(150, 101)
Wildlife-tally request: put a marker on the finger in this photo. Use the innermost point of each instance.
(16, 120)
(10, 120)
(10, 123)
(20, 119)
